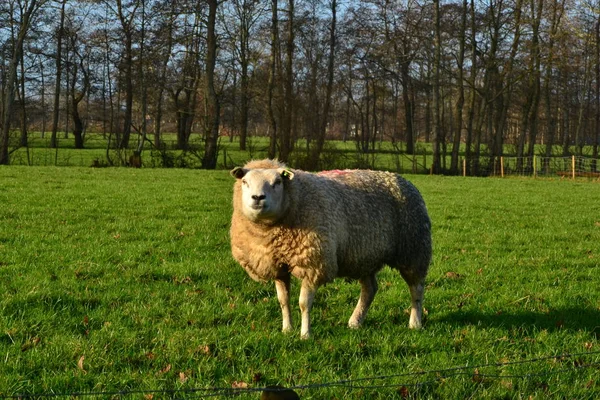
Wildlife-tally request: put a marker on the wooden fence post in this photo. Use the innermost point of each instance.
(464, 167)
(502, 166)
(573, 166)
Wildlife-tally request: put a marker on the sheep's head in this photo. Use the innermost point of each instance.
(263, 192)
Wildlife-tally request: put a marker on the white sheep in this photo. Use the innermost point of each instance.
(317, 227)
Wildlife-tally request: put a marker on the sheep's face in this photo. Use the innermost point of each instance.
(263, 195)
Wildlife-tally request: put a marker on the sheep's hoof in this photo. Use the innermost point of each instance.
(305, 336)
(415, 325)
(287, 329)
(354, 324)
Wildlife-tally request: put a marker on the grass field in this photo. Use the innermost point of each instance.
(119, 283)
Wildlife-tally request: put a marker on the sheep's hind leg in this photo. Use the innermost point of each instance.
(368, 289)
(307, 296)
(416, 308)
(282, 286)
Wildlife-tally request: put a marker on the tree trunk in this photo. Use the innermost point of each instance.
(273, 79)
(536, 76)
(437, 132)
(318, 149)
(473, 94)
(56, 109)
(597, 72)
(409, 111)
(127, 26)
(24, 135)
(285, 143)
(11, 81)
(244, 95)
(163, 74)
(461, 91)
(209, 161)
(76, 98)
(551, 115)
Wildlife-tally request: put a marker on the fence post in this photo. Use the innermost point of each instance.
(502, 166)
(573, 166)
(464, 167)
(535, 166)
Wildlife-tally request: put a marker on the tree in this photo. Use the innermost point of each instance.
(27, 10)
(437, 133)
(126, 18)
(58, 75)
(460, 101)
(209, 161)
(322, 126)
(246, 14)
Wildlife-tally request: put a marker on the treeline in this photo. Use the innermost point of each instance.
(475, 78)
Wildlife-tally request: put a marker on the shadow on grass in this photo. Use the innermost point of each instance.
(572, 319)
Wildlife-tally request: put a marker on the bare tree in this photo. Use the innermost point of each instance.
(27, 10)
(322, 127)
(437, 133)
(460, 101)
(209, 161)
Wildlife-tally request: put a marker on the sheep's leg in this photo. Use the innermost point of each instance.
(368, 289)
(282, 286)
(416, 308)
(307, 295)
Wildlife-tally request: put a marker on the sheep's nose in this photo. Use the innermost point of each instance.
(258, 197)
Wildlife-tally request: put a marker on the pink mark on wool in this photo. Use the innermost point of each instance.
(335, 173)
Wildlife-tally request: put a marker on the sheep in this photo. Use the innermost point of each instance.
(317, 227)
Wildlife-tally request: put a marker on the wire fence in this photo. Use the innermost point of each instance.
(572, 167)
(566, 363)
(535, 166)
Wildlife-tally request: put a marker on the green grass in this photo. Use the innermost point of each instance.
(122, 280)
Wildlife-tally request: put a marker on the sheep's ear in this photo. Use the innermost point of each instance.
(238, 172)
(286, 173)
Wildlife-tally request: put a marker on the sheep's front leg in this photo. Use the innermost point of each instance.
(368, 289)
(307, 296)
(416, 307)
(282, 286)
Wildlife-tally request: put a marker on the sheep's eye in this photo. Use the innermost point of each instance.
(244, 182)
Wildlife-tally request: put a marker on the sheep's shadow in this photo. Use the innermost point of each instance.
(572, 319)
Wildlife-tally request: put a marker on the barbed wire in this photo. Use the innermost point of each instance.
(353, 384)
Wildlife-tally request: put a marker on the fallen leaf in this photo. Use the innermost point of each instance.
(80, 364)
(165, 369)
(588, 345)
(182, 377)
(452, 275)
(239, 385)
